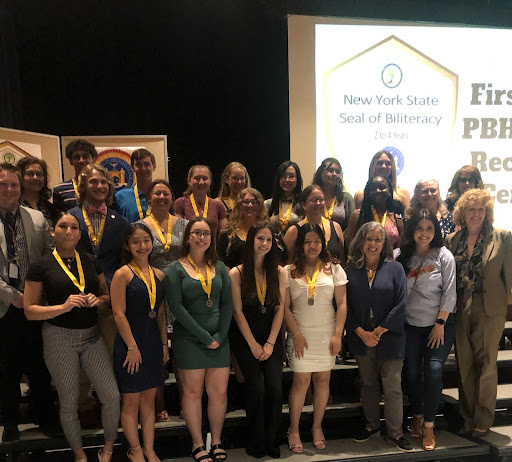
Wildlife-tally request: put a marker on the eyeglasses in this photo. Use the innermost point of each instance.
(288, 176)
(198, 234)
(250, 202)
(429, 190)
(466, 180)
(317, 200)
(333, 170)
(377, 240)
(237, 179)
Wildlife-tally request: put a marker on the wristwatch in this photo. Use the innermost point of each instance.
(440, 321)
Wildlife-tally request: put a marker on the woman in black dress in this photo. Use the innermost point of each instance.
(313, 203)
(74, 287)
(140, 346)
(258, 287)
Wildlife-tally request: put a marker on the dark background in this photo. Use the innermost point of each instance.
(211, 75)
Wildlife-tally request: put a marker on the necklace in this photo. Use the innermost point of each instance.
(69, 261)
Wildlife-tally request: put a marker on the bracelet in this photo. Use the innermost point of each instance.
(270, 343)
(131, 348)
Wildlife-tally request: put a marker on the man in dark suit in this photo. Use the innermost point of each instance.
(24, 237)
(102, 231)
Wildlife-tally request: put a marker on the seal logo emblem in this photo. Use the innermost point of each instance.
(391, 75)
(398, 156)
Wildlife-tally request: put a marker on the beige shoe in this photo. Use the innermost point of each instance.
(416, 427)
(429, 440)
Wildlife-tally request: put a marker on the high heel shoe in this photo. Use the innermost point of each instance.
(104, 451)
(429, 440)
(129, 453)
(297, 448)
(320, 443)
(416, 427)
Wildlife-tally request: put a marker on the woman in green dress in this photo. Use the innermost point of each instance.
(198, 290)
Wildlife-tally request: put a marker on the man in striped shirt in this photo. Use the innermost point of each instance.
(79, 153)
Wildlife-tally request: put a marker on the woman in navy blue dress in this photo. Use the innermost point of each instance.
(140, 346)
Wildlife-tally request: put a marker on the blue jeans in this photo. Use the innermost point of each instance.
(424, 367)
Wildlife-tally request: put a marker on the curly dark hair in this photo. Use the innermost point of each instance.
(366, 214)
(81, 145)
(277, 192)
(24, 163)
(409, 245)
(299, 259)
(317, 177)
(270, 264)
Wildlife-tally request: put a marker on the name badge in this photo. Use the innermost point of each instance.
(13, 270)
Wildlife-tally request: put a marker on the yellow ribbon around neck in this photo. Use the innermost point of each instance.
(231, 203)
(284, 220)
(207, 285)
(323, 225)
(75, 187)
(80, 285)
(137, 201)
(194, 206)
(152, 289)
(376, 216)
(328, 213)
(95, 239)
(312, 281)
(262, 291)
(166, 241)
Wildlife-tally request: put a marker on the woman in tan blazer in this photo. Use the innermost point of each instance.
(483, 257)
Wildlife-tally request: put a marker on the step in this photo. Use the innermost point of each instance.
(499, 439)
(346, 450)
(504, 396)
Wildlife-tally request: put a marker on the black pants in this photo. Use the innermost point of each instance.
(264, 397)
(21, 350)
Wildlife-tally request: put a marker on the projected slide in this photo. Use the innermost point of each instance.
(436, 97)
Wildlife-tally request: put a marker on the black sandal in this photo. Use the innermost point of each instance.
(220, 456)
(199, 459)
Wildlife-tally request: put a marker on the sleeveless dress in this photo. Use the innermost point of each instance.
(147, 336)
(316, 322)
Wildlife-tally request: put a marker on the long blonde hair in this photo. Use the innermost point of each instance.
(224, 187)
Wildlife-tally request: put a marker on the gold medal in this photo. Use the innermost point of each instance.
(167, 240)
(284, 220)
(311, 301)
(151, 290)
(262, 292)
(207, 285)
(311, 283)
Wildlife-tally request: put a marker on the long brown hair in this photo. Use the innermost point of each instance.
(270, 265)
(211, 254)
(299, 259)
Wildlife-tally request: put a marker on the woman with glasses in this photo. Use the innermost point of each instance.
(376, 299)
(383, 164)
(248, 210)
(196, 202)
(284, 208)
(378, 205)
(339, 204)
(234, 178)
(198, 291)
(313, 203)
(466, 178)
(427, 196)
(34, 187)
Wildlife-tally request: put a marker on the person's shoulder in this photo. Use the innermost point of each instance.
(112, 214)
(444, 253)
(63, 185)
(125, 193)
(76, 211)
(220, 266)
(180, 200)
(159, 273)
(36, 215)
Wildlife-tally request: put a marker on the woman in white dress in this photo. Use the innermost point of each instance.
(314, 327)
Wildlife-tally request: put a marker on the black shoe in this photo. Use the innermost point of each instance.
(10, 434)
(275, 453)
(402, 443)
(365, 435)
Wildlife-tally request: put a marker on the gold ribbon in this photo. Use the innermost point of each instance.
(137, 201)
(284, 220)
(323, 225)
(312, 281)
(94, 239)
(152, 289)
(328, 213)
(166, 241)
(376, 216)
(207, 285)
(262, 292)
(81, 284)
(194, 206)
(75, 186)
(231, 203)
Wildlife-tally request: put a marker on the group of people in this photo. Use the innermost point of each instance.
(92, 283)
